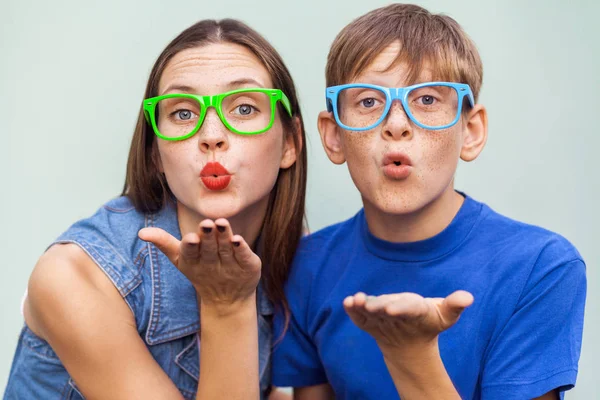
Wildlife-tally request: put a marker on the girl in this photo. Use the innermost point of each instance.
(216, 173)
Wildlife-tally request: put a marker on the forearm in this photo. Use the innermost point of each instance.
(419, 373)
(229, 353)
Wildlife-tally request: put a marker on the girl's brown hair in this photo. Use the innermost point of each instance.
(282, 228)
(425, 38)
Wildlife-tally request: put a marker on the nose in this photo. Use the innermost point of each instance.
(396, 125)
(213, 135)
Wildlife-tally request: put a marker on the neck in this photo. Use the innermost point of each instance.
(419, 225)
(247, 223)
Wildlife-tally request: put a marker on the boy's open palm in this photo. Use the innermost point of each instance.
(405, 320)
(221, 266)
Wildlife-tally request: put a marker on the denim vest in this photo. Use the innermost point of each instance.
(161, 298)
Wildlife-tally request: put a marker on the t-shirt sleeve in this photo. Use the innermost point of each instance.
(296, 360)
(538, 349)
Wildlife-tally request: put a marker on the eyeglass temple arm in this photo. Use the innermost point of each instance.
(286, 103)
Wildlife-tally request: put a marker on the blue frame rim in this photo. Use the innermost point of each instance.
(400, 93)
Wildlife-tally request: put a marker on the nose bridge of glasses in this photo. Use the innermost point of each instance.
(397, 98)
(208, 102)
(398, 94)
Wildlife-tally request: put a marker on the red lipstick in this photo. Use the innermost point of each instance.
(215, 176)
(397, 166)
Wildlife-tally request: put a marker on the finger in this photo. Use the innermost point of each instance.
(163, 241)
(224, 246)
(190, 246)
(407, 305)
(208, 240)
(356, 314)
(348, 302)
(455, 304)
(355, 301)
(244, 255)
(360, 300)
(378, 304)
(355, 308)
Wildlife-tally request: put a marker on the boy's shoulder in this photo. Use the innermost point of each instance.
(502, 230)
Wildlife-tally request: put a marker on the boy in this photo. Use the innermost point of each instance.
(462, 302)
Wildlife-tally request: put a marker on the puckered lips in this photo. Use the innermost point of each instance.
(215, 176)
(396, 165)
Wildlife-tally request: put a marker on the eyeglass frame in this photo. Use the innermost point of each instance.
(215, 101)
(401, 93)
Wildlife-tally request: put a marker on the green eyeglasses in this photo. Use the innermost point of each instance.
(178, 116)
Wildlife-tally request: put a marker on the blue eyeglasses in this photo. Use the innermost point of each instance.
(430, 105)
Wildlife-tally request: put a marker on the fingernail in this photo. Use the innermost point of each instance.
(236, 244)
(221, 228)
(206, 229)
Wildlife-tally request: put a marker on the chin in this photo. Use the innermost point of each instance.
(217, 212)
(399, 207)
(217, 208)
(393, 201)
(406, 202)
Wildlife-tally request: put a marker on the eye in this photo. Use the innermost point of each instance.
(244, 109)
(427, 100)
(368, 102)
(183, 115)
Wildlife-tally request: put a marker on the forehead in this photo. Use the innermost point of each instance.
(394, 68)
(214, 68)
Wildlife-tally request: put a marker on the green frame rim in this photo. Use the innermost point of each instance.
(214, 101)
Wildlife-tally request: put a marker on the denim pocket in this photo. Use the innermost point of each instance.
(39, 346)
(37, 373)
(188, 361)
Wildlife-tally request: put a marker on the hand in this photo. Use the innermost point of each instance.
(406, 320)
(220, 265)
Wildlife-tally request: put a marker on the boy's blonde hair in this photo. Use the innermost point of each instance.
(435, 40)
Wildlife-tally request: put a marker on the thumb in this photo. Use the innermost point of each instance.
(163, 240)
(453, 306)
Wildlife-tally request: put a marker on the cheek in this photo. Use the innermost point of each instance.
(175, 157)
(359, 148)
(441, 150)
(260, 157)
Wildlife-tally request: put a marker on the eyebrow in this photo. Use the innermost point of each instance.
(178, 89)
(244, 82)
(247, 82)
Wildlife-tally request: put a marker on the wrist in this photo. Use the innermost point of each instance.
(235, 309)
(419, 373)
(413, 359)
(228, 320)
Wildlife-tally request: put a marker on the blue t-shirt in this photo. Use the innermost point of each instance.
(520, 339)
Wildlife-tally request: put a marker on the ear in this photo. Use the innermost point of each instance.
(290, 152)
(331, 137)
(475, 134)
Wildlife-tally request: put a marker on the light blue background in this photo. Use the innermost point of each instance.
(72, 76)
